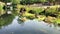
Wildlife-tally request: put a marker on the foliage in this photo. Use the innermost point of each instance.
(7, 1)
(51, 0)
(43, 0)
(38, 10)
(16, 1)
(50, 11)
(56, 21)
(13, 1)
(31, 1)
(6, 20)
(26, 1)
(1, 8)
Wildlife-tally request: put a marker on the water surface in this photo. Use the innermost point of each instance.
(28, 27)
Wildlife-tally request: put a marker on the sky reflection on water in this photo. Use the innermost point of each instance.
(28, 27)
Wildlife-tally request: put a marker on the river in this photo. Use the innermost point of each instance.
(28, 27)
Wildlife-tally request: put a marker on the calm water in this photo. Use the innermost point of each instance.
(14, 26)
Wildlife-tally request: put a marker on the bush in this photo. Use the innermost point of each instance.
(38, 10)
(31, 11)
(51, 11)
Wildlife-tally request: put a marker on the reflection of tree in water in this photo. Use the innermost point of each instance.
(20, 22)
(6, 20)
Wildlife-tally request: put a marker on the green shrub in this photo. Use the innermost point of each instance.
(38, 10)
(50, 11)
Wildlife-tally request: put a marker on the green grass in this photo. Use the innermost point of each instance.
(51, 10)
(36, 9)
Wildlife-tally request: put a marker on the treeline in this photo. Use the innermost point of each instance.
(13, 1)
(36, 1)
(24, 2)
(31, 1)
(28, 1)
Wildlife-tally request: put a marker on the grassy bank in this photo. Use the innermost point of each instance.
(53, 10)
